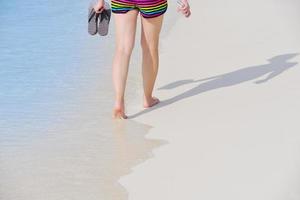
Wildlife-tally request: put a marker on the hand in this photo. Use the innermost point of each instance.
(184, 7)
(99, 6)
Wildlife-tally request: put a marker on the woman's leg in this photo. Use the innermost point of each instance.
(150, 41)
(125, 36)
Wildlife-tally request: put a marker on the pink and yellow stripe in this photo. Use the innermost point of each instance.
(147, 8)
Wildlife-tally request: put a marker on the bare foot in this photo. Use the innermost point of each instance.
(151, 102)
(118, 113)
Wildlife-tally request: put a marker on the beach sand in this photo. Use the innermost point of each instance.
(229, 84)
(216, 134)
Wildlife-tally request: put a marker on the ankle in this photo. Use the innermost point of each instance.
(148, 97)
(119, 101)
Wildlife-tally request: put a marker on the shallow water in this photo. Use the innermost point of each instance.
(57, 140)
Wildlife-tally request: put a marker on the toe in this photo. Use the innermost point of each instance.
(119, 114)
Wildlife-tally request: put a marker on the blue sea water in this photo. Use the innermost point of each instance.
(45, 46)
(57, 139)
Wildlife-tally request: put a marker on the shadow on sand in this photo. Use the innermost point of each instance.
(275, 67)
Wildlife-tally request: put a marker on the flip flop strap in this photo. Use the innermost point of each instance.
(92, 14)
(104, 15)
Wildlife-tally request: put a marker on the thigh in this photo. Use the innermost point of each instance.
(152, 8)
(151, 28)
(125, 26)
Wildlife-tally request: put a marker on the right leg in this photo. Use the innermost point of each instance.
(150, 41)
(125, 24)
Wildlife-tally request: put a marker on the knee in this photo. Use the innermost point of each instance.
(125, 49)
(149, 46)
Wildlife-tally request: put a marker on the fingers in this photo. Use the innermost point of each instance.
(184, 8)
(99, 7)
(188, 14)
(99, 10)
(185, 11)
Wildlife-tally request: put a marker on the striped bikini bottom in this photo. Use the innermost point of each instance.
(147, 8)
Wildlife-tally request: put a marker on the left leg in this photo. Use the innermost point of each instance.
(151, 28)
(125, 24)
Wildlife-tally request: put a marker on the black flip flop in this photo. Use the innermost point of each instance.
(92, 21)
(104, 19)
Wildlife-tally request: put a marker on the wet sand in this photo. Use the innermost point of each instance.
(57, 138)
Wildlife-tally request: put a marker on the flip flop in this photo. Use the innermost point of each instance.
(104, 19)
(92, 21)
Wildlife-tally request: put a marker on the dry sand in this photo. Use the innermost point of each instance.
(229, 82)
